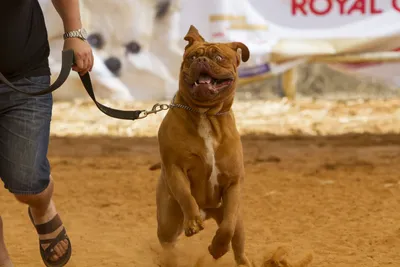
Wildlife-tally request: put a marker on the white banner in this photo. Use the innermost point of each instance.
(289, 31)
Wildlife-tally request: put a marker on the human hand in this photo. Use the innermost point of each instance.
(83, 55)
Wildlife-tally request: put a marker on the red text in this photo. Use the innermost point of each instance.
(345, 7)
(396, 5)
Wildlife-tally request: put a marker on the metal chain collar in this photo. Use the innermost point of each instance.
(160, 107)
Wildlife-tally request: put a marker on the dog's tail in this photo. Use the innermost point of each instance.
(156, 166)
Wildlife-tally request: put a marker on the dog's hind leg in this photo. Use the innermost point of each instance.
(170, 223)
(238, 239)
(228, 213)
(169, 216)
(238, 242)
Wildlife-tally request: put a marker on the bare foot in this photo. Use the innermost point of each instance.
(193, 226)
(41, 218)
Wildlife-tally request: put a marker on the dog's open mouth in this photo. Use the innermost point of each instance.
(212, 83)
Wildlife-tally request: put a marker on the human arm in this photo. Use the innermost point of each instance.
(69, 12)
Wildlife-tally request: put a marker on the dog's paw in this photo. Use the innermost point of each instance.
(218, 251)
(243, 261)
(221, 241)
(193, 226)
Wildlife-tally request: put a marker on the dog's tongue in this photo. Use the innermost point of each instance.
(204, 78)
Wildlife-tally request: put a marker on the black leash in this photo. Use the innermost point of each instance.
(67, 63)
(66, 66)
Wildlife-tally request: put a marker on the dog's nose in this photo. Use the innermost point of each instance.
(133, 47)
(113, 64)
(202, 62)
(201, 59)
(96, 40)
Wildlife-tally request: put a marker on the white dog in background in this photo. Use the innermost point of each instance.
(167, 42)
(122, 33)
(105, 83)
(135, 45)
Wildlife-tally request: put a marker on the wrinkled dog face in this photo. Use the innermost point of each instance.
(209, 70)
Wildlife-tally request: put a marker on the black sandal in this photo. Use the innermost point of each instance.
(48, 228)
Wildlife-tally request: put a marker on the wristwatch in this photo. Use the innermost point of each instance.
(81, 34)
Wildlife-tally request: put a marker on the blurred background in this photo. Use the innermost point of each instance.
(139, 46)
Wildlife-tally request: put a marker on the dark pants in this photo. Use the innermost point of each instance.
(24, 136)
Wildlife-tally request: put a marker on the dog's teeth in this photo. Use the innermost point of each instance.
(196, 84)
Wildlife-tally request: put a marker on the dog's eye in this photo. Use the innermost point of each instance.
(132, 47)
(96, 40)
(193, 57)
(218, 58)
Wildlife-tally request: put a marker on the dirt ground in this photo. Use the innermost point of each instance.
(336, 197)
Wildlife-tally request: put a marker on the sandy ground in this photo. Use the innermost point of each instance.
(334, 196)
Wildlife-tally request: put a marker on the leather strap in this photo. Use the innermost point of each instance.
(50, 226)
(67, 63)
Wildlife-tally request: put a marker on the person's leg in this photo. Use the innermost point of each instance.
(24, 167)
(4, 257)
(43, 210)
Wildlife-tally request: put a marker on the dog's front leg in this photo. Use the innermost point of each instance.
(226, 229)
(179, 186)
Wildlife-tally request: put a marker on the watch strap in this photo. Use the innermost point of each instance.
(74, 34)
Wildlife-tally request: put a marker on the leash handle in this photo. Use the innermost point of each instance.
(68, 60)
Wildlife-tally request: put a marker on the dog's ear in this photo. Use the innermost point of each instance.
(244, 49)
(192, 36)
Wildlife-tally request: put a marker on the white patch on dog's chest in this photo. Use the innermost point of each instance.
(205, 132)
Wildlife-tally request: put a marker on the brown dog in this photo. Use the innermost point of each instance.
(201, 152)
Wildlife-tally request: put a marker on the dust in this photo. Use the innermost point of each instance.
(275, 255)
(280, 257)
(169, 258)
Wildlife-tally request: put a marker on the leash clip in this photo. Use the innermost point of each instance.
(156, 108)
